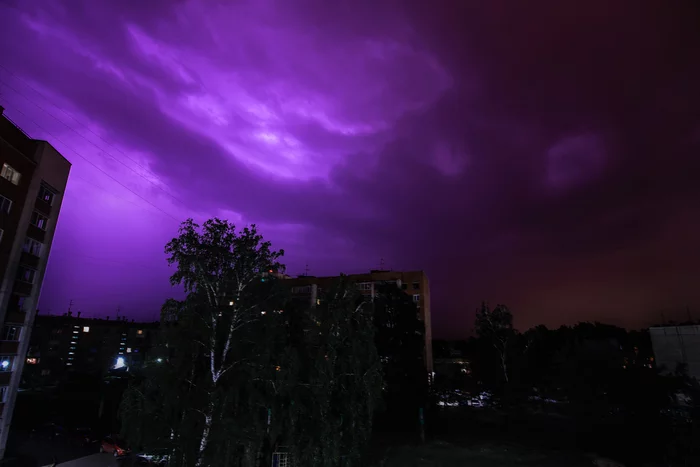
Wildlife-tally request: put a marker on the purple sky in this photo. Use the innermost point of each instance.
(546, 157)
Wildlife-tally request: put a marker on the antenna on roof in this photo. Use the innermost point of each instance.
(381, 264)
(306, 269)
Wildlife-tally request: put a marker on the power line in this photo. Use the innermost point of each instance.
(96, 166)
(88, 129)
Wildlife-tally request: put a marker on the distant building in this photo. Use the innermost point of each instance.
(677, 345)
(413, 283)
(33, 177)
(66, 344)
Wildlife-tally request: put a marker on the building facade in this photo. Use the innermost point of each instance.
(413, 283)
(677, 345)
(61, 345)
(33, 180)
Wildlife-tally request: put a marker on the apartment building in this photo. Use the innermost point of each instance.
(64, 344)
(413, 283)
(33, 177)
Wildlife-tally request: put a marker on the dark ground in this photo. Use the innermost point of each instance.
(31, 444)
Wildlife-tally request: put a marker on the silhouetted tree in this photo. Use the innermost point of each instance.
(246, 371)
(496, 327)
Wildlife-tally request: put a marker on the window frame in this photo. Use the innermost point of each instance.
(35, 242)
(10, 174)
(38, 214)
(6, 331)
(44, 188)
(22, 267)
(3, 199)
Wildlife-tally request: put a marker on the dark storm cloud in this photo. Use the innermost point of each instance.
(540, 154)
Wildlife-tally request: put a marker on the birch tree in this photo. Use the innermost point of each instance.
(497, 327)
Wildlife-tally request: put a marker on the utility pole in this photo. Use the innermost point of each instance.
(70, 305)
(381, 264)
(118, 310)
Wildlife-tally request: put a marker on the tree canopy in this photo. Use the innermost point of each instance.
(245, 371)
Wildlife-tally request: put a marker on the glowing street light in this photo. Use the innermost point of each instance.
(120, 363)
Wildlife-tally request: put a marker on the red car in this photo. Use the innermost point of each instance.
(115, 445)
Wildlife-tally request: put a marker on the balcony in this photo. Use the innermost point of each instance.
(9, 347)
(43, 207)
(36, 233)
(22, 288)
(5, 378)
(30, 260)
(15, 317)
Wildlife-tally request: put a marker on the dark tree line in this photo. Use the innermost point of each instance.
(601, 377)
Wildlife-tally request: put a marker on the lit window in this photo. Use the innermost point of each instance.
(128, 350)
(68, 364)
(72, 342)
(5, 204)
(71, 353)
(416, 298)
(139, 332)
(6, 363)
(76, 332)
(26, 275)
(364, 286)
(86, 328)
(8, 173)
(39, 220)
(46, 194)
(31, 361)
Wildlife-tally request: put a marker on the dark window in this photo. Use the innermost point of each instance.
(26, 274)
(5, 204)
(416, 286)
(404, 286)
(39, 220)
(32, 247)
(46, 195)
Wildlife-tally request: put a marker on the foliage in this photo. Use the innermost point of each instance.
(245, 371)
(599, 376)
(342, 383)
(400, 342)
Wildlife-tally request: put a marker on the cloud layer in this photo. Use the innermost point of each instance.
(545, 156)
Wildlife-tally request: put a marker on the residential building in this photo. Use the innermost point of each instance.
(413, 283)
(677, 345)
(33, 177)
(66, 344)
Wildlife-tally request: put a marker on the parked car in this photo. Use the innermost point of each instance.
(157, 457)
(115, 445)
